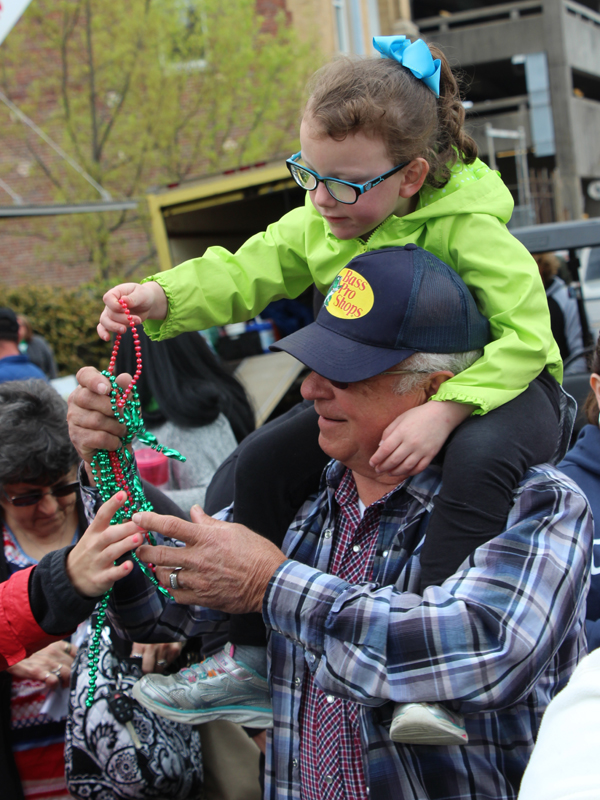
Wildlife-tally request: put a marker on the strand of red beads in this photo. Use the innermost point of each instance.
(116, 470)
(138, 355)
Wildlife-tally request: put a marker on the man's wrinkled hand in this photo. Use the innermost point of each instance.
(224, 566)
(92, 425)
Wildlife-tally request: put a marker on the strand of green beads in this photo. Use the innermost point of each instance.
(114, 471)
(94, 648)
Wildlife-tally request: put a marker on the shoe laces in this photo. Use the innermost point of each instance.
(204, 669)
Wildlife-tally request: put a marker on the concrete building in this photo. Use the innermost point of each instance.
(533, 64)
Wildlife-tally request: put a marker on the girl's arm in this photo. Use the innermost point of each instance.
(412, 440)
(222, 287)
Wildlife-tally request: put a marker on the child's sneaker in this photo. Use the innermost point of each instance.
(427, 723)
(217, 688)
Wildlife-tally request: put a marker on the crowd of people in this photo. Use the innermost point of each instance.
(393, 584)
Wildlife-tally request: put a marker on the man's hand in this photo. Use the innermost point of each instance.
(91, 563)
(92, 425)
(224, 565)
(411, 441)
(144, 301)
(52, 665)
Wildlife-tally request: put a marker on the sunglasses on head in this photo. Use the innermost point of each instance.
(22, 500)
(342, 385)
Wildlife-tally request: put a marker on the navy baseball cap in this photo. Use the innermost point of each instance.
(383, 307)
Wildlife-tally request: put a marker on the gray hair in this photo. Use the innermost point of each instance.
(429, 363)
(35, 445)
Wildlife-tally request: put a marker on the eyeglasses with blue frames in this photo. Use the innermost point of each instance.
(342, 191)
(22, 500)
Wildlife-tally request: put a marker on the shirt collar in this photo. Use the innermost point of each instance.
(423, 487)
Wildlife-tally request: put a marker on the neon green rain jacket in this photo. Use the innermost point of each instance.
(463, 224)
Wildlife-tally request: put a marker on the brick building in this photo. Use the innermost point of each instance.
(42, 247)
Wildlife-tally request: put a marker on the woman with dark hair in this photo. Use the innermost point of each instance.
(39, 513)
(43, 524)
(192, 404)
(582, 464)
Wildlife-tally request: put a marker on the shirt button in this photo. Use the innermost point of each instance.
(295, 763)
(328, 778)
(297, 681)
(312, 658)
(356, 548)
(385, 553)
(327, 533)
(330, 698)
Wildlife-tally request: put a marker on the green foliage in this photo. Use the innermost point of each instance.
(149, 92)
(67, 319)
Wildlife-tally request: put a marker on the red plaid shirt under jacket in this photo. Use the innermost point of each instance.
(331, 765)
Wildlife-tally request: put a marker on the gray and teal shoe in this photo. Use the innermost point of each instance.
(217, 688)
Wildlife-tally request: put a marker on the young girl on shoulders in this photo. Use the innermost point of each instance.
(386, 161)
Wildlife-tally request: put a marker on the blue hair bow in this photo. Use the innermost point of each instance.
(415, 56)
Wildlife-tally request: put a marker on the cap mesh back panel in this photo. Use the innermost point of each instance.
(438, 315)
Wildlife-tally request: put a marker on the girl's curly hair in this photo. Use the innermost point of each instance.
(382, 98)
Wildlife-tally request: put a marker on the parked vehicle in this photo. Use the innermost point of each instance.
(589, 272)
(581, 240)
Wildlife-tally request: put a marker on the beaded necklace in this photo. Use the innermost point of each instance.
(115, 471)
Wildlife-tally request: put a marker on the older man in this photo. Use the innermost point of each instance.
(350, 633)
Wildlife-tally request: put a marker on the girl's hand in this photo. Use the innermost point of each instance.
(155, 657)
(412, 440)
(90, 564)
(145, 301)
(51, 665)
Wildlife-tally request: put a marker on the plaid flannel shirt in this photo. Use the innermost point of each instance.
(496, 641)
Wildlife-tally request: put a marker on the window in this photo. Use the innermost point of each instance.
(353, 36)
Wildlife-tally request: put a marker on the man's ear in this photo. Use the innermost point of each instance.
(435, 381)
(413, 177)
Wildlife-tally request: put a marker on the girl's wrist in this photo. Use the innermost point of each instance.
(160, 303)
(451, 413)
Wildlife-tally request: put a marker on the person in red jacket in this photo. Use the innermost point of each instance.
(71, 579)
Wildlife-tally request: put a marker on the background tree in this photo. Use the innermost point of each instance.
(142, 93)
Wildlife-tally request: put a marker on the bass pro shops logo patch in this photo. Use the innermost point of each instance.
(350, 295)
